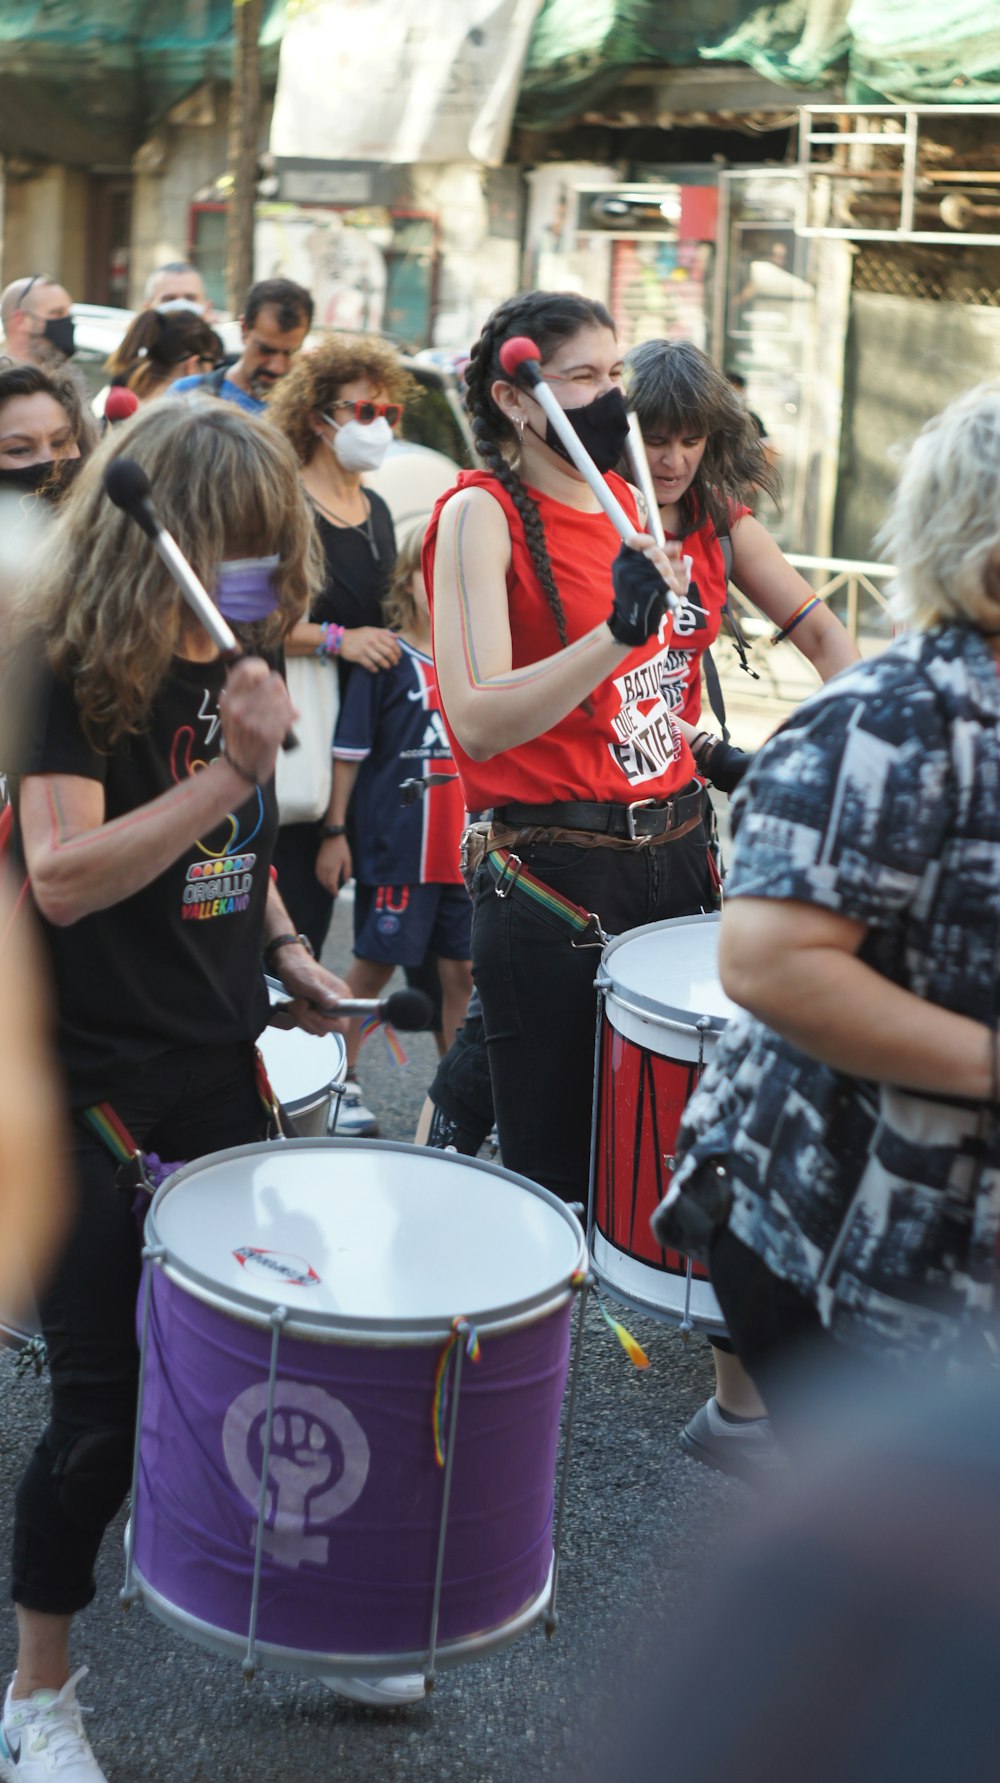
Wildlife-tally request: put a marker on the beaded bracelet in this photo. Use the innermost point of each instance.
(330, 642)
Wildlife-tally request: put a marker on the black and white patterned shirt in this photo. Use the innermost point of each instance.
(879, 800)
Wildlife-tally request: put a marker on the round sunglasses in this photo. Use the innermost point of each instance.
(366, 411)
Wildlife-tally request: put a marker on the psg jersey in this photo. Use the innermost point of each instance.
(391, 724)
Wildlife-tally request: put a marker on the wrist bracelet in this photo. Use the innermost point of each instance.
(287, 941)
(332, 830)
(331, 640)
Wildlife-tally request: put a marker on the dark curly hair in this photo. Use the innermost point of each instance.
(674, 388)
(317, 378)
(548, 318)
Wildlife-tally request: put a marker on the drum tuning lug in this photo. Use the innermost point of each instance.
(430, 1682)
(249, 1671)
(126, 1599)
(577, 1208)
(551, 1624)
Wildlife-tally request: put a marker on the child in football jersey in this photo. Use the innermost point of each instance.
(409, 897)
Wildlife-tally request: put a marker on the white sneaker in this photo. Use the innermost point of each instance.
(354, 1120)
(382, 1693)
(42, 1738)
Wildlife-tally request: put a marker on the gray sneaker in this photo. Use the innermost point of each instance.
(748, 1451)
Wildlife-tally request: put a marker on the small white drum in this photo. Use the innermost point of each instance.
(305, 1071)
(353, 1360)
(663, 1011)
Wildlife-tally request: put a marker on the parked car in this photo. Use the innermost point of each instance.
(434, 441)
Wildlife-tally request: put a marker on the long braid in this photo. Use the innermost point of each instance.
(489, 429)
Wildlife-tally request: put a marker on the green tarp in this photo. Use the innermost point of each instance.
(944, 52)
(93, 76)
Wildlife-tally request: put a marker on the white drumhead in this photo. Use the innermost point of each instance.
(388, 1235)
(670, 969)
(300, 1064)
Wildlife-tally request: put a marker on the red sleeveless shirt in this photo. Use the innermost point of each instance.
(625, 748)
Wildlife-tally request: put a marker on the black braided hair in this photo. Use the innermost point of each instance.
(548, 318)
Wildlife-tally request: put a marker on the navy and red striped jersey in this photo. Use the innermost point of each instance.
(391, 724)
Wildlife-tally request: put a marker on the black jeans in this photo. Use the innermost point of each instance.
(538, 995)
(181, 1106)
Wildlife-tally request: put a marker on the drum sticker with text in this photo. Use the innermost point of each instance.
(276, 1266)
(647, 741)
(315, 1439)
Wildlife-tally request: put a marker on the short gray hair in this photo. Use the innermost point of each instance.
(943, 527)
(169, 266)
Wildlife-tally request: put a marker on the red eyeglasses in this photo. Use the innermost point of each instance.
(365, 411)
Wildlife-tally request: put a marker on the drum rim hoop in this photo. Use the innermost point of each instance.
(248, 1307)
(652, 1009)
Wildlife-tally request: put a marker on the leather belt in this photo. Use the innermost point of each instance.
(638, 822)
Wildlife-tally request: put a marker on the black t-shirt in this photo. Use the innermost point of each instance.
(356, 581)
(178, 963)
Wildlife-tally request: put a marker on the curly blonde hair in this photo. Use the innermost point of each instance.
(317, 378)
(103, 607)
(942, 531)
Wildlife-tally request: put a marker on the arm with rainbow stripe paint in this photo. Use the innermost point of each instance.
(492, 706)
(764, 575)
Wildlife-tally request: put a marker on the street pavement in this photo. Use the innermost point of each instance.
(643, 1526)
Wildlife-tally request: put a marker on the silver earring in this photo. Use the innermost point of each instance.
(519, 424)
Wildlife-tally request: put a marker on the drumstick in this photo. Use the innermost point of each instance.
(410, 1010)
(642, 476)
(127, 484)
(521, 361)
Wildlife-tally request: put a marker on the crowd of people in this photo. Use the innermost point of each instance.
(538, 681)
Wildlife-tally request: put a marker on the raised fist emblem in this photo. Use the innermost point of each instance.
(313, 1438)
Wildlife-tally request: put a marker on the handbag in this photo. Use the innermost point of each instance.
(304, 776)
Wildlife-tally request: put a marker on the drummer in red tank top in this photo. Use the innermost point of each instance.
(550, 641)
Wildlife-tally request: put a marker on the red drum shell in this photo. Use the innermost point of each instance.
(659, 983)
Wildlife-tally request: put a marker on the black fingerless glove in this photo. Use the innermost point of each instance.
(721, 763)
(640, 598)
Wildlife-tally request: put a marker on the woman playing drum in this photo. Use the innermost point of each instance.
(147, 820)
(548, 647)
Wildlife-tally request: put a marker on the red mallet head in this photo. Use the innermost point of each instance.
(521, 358)
(120, 404)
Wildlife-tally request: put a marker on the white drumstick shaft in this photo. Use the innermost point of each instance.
(624, 527)
(196, 594)
(642, 476)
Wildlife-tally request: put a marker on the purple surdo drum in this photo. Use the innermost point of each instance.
(353, 1361)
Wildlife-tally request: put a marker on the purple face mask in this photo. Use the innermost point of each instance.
(247, 589)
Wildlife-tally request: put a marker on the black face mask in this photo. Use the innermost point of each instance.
(601, 426)
(50, 479)
(61, 334)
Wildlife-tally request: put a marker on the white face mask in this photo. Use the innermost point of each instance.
(360, 445)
